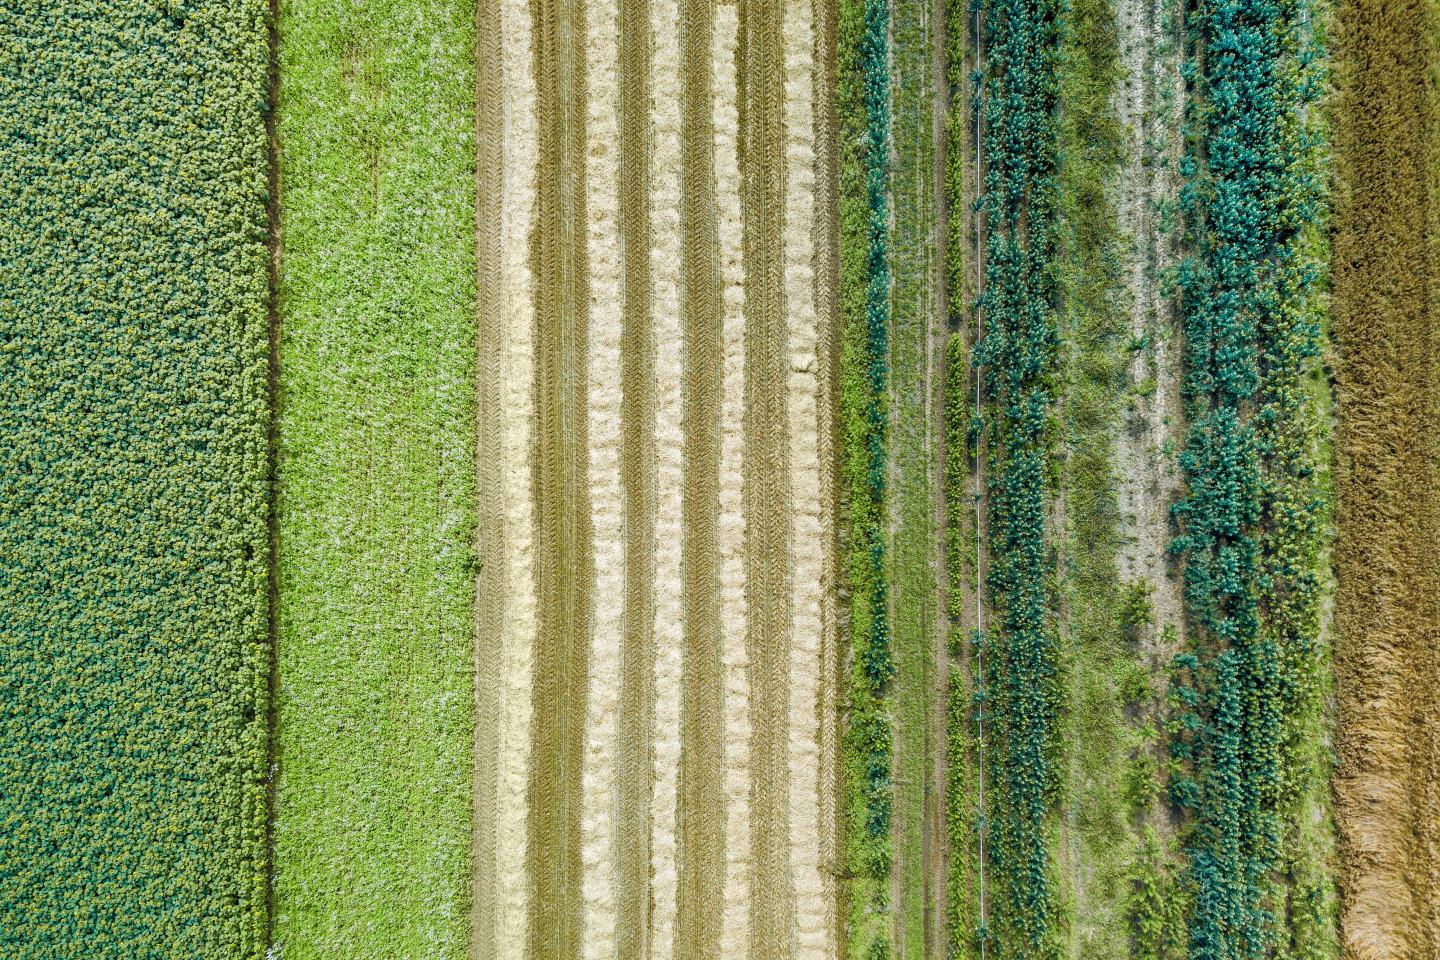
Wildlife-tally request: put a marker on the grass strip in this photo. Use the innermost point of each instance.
(377, 498)
(913, 537)
(1105, 676)
(491, 581)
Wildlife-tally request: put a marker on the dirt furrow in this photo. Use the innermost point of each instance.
(635, 750)
(491, 582)
(562, 510)
(606, 329)
(767, 486)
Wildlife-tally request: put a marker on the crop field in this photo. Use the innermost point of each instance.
(133, 481)
(720, 479)
(1386, 326)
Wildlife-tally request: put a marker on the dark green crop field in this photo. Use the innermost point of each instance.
(133, 480)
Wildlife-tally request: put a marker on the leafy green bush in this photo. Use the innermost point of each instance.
(864, 107)
(133, 480)
(1250, 521)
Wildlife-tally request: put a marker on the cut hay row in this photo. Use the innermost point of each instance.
(807, 546)
(701, 846)
(665, 87)
(516, 623)
(673, 660)
(1387, 475)
(735, 922)
(563, 523)
(635, 754)
(607, 506)
(767, 494)
(376, 480)
(134, 480)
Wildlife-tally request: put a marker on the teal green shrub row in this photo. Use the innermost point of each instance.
(1251, 520)
(1019, 355)
(864, 107)
(134, 476)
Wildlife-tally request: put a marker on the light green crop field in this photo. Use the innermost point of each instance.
(376, 493)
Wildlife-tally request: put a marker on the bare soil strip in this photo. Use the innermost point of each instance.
(1150, 107)
(735, 921)
(635, 751)
(517, 619)
(807, 543)
(562, 523)
(1386, 325)
(669, 455)
(491, 583)
(701, 836)
(606, 329)
(767, 480)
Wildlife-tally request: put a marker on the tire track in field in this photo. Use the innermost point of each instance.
(491, 583)
(517, 620)
(767, 481)
(562, 515)
(735, 921)
(669, 455)
(807, 551)
(700, 837)
(606, 331)
(635, 751)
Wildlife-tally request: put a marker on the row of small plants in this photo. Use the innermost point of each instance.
(865, 128)
(1018, 355)
(1251, 520)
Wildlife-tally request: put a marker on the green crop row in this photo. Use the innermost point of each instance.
(1251, 519)
(134, 480)
(1018, 355)
(864, 109)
